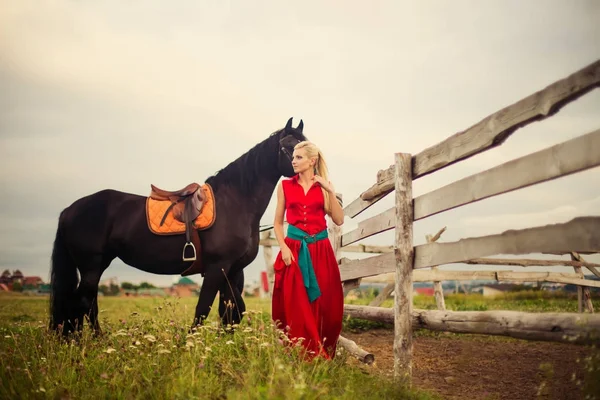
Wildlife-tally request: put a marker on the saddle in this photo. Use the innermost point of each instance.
(186, 205)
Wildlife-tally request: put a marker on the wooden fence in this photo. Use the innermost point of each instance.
(578, 236)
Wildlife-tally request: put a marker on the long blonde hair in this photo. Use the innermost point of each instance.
(312, 151)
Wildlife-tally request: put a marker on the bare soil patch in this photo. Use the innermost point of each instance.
(483, 367)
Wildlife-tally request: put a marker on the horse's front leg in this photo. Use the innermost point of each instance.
(213, 280)
(231, 302)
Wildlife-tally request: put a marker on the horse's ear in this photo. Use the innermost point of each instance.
(300, 126)
(288, 126)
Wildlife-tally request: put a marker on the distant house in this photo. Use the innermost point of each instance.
(185, 287)
(424, 291)
(32, 281)
(27, 283)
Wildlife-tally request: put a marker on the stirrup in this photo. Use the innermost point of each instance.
(193, 258)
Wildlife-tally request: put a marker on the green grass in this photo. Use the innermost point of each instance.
(147, 352)
(527, 301)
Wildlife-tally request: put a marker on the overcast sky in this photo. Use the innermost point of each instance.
(97, 95)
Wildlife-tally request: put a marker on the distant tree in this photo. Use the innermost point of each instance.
(128, 286)
(111, 290)
(146, 285)
(104, 290)
(114, 289)
(17, 287)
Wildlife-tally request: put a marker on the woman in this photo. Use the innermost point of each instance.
(308, 300)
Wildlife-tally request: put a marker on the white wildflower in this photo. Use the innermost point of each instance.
(150, 338)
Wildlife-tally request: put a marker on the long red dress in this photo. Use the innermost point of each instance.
(319, 322)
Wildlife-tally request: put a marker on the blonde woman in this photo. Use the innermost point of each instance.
(308, 300)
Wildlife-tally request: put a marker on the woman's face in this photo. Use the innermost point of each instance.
(301, 162)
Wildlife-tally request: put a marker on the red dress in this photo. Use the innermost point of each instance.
(319, 322)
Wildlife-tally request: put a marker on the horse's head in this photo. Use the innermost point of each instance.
(288, 138)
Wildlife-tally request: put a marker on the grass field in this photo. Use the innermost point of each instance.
(147, 352)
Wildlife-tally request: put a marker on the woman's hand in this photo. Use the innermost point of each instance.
(286, 255)
(324, 184)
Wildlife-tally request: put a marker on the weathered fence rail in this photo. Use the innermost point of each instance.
(555, 327)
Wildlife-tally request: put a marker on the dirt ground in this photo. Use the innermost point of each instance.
(483, 367)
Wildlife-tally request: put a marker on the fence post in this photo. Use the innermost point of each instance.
(268, 253)
(437, 285)
(404, 252)
(584, 296)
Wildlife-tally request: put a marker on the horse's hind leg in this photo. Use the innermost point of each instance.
(87, 292)
(231, 302)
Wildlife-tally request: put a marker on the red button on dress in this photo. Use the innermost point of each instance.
(319, 322)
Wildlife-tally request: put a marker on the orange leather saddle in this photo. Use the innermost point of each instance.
(184, 211)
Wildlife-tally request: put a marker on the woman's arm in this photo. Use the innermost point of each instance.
(337, 213)
(279, 211)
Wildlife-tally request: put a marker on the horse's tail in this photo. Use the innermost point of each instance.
(63, 281)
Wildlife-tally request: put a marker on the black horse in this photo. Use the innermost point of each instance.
(97, 228)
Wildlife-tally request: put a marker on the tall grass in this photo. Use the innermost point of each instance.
(148, 352)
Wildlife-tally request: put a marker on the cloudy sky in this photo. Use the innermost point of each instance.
(97, 95)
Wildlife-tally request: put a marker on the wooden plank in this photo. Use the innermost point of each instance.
(555, 327)
(524, 262)
(542, 166)
(422, 275)
(383, 295)
(368, 248)
(512, 276)
(555, 277)
(385, 265)
(496, 128)
(384, 186)
(493, 130)
(372, 226)
(359, 205)
(404, 254)
(350, 285)
(579, 234)
(352, 348)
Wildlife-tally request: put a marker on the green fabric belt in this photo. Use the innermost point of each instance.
(304, 260)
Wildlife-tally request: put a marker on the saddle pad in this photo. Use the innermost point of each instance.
(155, 210)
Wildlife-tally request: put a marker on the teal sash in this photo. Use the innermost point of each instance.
(304, 260)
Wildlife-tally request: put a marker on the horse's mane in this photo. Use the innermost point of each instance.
(245, 170)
